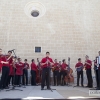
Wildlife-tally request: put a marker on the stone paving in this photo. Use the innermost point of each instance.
(35, 92)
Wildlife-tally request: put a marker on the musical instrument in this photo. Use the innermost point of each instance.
(53, 68)
(85, 64)
(69, 77)
(56, 65)
(97, 60)
(0, 66)
(79, 68)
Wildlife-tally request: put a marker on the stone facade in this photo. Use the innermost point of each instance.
(69, 28)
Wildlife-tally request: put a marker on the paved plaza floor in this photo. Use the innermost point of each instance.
(35, 92)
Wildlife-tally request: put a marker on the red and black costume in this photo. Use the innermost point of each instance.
(25, 74)
(11, 72)
(79, 68)
(46, 72)
(0, 63)
(56, 73)
(63, 73)
(33, 73)
(89, 73)
(60, 65)
(5, 71)
(19, 72)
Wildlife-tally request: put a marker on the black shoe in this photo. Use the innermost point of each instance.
(1, 89)
(35, 85)
(49, 88)
(19, 86)
(64, 83)
(97, 88)
(42, 88)
(6, 87)
(90, 86)
(82, 85)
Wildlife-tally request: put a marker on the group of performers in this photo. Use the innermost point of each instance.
(15, 71)
(88, 67)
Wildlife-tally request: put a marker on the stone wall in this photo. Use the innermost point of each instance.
(69, 28)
